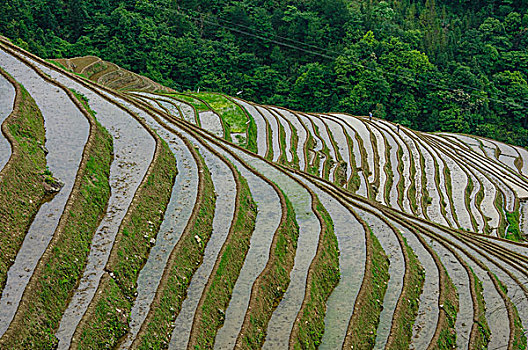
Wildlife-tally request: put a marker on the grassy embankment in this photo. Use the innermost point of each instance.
(407, 307)
(217, 294)
(184, 260)
(323, 277)
(363, 325)
(272, 283)
(21, 200)
(62, 265)
(106, 318)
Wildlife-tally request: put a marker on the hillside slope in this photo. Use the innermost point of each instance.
(215, 222)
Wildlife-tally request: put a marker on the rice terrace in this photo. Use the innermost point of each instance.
(136, 216)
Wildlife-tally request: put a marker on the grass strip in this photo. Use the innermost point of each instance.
(408, 304)
(480, 332)
(323, 277)
(449, 307)
(269, 138)
(363, 325)
(401, 183)
(215, 300)
(61, 267)
(388, 172)
(20, 200)
(270, 286)
(183, 262)
(411, 194)
(282, 142)
(106, 318)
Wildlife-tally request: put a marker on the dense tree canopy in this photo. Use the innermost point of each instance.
(450, 65)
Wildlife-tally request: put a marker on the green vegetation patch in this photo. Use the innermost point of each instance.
(323, 277)
(57, 275)
(363, 325)
(21, 200)
(514, 232)
(231, 113)
(271, 285)
(196, 103)
(106, 321)
(183, 263)
(216, 297)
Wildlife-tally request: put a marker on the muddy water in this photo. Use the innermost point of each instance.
(390, 244)
(393, 157)
(524, 156)
(267, 222)
(362, 190)
(459, 183)
(210, 121)
(387, 128)
(381, 149)
(301, 134)
(225, 187)
(351, 240)
(424, 325)
(274, 126)
(262, 140)
(7, 99)
(176, 217)
(319, 144)
(341, 141)
(461, 280)
(496, 313)
(309, 228)
(473, 202)
(433, 210)
(288, 132)
(364, 134)
(487, 206)
(515, 293)
(325, 135)
(67, 131)
(415, 154)
(133, 151)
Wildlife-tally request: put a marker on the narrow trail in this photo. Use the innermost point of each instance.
(67, 131)
(7, 100)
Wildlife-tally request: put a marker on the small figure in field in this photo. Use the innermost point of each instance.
(398, 128)
(370, 116)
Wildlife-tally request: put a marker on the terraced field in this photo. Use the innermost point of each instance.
(134, 216)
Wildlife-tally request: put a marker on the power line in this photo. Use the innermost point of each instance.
(323, 55)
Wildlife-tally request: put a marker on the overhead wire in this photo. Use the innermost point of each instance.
(326, 56)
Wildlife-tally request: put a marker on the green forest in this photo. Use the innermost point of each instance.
(444, 65)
